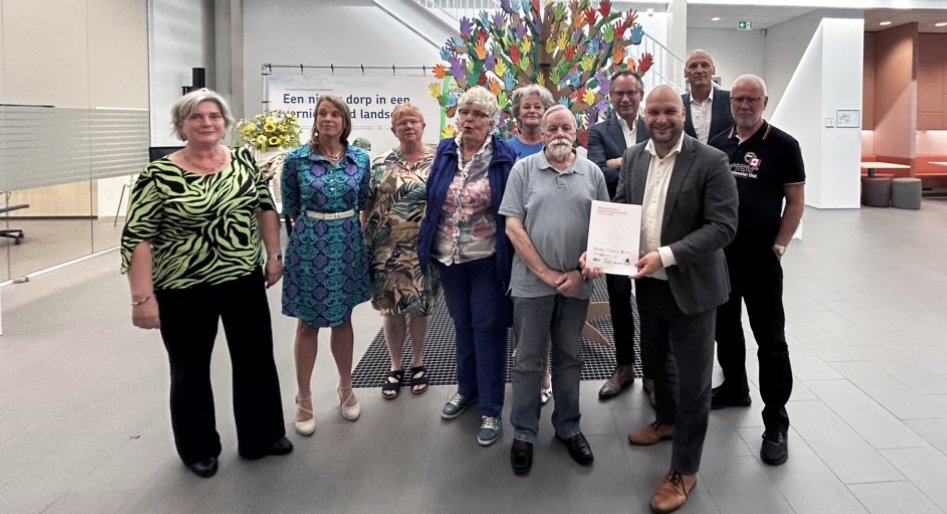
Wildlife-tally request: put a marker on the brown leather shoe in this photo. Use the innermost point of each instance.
(623, 377)
(651, 434)
(673, 492)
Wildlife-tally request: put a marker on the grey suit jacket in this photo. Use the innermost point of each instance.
(607, 141)
(700, 218)
(721, 117)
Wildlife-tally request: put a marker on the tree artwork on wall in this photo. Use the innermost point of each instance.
(569, 49)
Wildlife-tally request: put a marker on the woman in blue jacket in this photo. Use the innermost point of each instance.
(463, 238)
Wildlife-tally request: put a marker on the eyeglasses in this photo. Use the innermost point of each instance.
(630, 94)
(476, 114)
(750, 100)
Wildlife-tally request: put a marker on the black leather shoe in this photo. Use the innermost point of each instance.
(579, 448)
(521, 457)
(721, 399)
(282, 447)
(774, 450)
(205, 468)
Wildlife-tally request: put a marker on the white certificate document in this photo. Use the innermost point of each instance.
(614, 234)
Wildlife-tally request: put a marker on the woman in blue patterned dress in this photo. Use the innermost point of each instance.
(325, 187)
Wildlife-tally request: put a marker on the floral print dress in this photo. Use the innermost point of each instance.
(399, 192)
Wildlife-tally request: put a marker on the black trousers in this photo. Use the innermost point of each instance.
(678, 352)
(756, 279)
(189, 319)
(623, 325)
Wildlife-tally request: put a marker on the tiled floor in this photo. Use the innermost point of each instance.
(84, 421)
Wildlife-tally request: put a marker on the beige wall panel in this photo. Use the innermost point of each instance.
(46, 56)
(929, 120)
(868, 83)
(118, 54)
(930, 73)
(895, 111)
(73, 199)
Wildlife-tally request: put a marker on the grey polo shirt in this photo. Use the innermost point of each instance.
(555, 209)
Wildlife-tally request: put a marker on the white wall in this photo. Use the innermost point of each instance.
(181, 37)
(785, 44)
(345, 32)
(821, 86)
(735, 52)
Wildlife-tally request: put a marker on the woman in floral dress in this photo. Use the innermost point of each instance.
(399, 289)
(325, 187)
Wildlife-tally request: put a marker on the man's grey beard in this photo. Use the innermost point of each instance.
(560, 151)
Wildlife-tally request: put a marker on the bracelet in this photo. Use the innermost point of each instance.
(136, 303)
(277, 257)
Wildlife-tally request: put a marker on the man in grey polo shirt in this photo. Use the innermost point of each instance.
(547, 202)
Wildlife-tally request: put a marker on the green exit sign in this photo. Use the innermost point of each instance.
(745, 25)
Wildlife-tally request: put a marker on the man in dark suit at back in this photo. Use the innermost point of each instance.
(689, 205)
(607, 142)
(707, 106)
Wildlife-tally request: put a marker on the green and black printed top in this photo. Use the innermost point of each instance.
(202, 228)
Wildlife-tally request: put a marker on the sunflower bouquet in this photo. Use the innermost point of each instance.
(270, 131)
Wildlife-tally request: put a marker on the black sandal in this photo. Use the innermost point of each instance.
(390, 390)
(419, 379)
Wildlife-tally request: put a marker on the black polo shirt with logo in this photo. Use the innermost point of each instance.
(762, 165)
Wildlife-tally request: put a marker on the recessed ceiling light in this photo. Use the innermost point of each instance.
(715, 18)
(941, 24)
(885, 23)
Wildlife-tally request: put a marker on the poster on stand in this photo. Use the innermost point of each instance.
(371, 96)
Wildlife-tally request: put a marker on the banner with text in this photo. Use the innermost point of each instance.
(370, 96)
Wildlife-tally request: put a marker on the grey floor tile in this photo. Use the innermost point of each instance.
(910, 368)
(872, 421)
(110, 382)
(886, 497)
(926, 468)
(89, 503)
(738, 485)
(805, 481)
(889, 391)
(842, 449)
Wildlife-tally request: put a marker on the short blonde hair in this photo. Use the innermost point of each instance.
(408, 109)
(185, 106)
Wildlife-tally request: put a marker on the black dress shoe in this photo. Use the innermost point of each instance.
(521, 457)
(579, 448)
(774, 450)
(205, 468)
(721, 398)
(282, 447)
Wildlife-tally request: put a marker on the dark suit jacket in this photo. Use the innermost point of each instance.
(721, 118)
(607, 141)
(700, 218)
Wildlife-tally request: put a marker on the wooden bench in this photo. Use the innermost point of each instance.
(13, 233)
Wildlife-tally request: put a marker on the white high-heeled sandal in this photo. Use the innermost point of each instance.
(307, 427)
(349, 412)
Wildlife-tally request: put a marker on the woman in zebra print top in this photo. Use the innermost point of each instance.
(191, 249)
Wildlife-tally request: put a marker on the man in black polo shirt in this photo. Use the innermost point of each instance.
(767, 165)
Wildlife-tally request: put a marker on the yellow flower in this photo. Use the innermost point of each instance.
(261, 140)
(270, 120)
(274, 141)
(269, 127)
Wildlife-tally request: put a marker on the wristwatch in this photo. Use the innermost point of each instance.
(780, 249)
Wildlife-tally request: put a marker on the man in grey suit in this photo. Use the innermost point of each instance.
(689, 213)
(706, 105)
(607, 142)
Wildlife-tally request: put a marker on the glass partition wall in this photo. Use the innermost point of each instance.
(65, 182)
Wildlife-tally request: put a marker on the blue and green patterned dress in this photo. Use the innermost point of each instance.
(326, 261)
